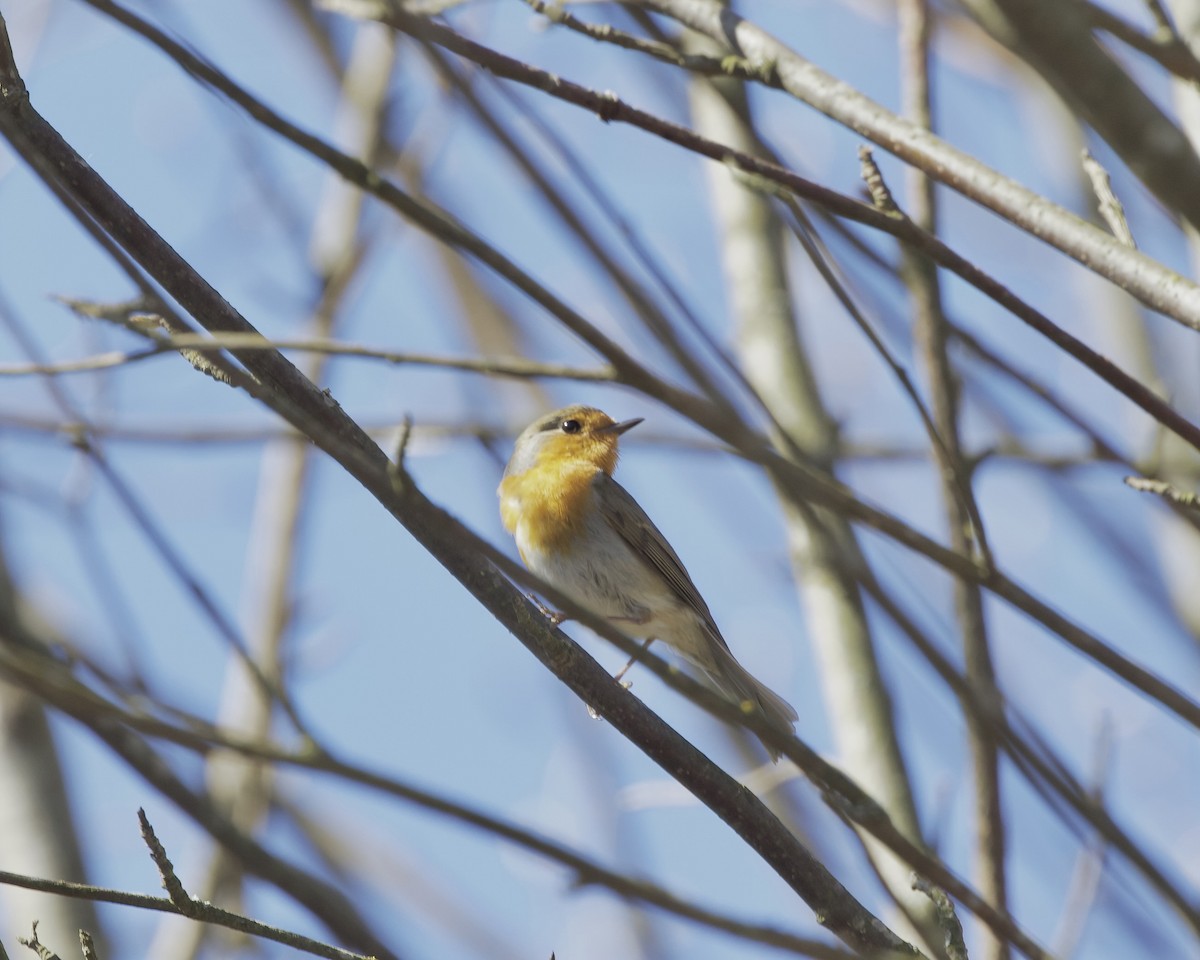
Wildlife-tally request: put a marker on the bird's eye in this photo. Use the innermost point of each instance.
(570, 426)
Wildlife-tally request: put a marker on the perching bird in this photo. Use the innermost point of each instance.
(582, 532)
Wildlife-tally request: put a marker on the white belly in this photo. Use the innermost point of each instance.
(607, 579)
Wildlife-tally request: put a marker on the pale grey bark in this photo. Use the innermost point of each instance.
(1179, 544)
(932, 335)
(38, 835)
(241, 785)
(1057, 40)
(822, 546)
(1139, 275)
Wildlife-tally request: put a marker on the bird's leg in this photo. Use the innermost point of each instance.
(634, 659)
(620, 673)
(554, 616)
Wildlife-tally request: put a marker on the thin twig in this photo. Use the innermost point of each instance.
(203, 912)
(652, 315)
(498, 366)
(1089, 865)
(166, 869)
(932, 331)
(733, 66)
(610, 108)
(32, 942)
(956, 948)
(952, 465)
(1110, 207)
(424, 214)
(1163, 489)
(1170, 293)
(397, 468)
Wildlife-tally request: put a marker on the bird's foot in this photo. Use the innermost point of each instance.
(554, 616)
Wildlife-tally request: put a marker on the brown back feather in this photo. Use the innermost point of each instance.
(630, 522)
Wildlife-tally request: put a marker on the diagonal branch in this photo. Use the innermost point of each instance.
(609, 108)
(295, 398)
(1150, 281)
(1057, 40)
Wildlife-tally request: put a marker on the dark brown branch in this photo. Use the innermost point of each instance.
(1165, 48)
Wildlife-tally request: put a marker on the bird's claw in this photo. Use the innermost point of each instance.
(554, 616)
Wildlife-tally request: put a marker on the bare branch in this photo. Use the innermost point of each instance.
(932, 333)
(956, 949)
(1110, 207)
(199, 343)
(1163, 489)
(202, 912)
(32, 942)
(610, 108)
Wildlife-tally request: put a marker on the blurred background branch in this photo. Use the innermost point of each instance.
(891, 495)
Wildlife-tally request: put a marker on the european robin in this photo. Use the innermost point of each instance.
(582, 532)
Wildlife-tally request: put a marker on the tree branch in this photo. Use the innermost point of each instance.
(198, 911)
(1148, 280)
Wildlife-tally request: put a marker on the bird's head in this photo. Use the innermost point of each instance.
(575, 434)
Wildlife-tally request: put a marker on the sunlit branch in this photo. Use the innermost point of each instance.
(1183, 498)
(500, 366)
(610, 108)
(296, 399)
(932, 334)
(422, 213)
(1148, 280)
(199, 911)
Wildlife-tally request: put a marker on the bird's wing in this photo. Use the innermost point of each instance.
(630, 522)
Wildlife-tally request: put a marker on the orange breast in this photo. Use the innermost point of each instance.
(546, 507)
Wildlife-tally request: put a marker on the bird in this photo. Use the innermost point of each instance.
(583, 533)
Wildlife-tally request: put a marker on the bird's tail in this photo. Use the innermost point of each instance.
(736, 682)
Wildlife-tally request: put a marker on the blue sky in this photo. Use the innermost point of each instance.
(394, 665)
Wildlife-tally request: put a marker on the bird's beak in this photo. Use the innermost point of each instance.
(620, 428)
